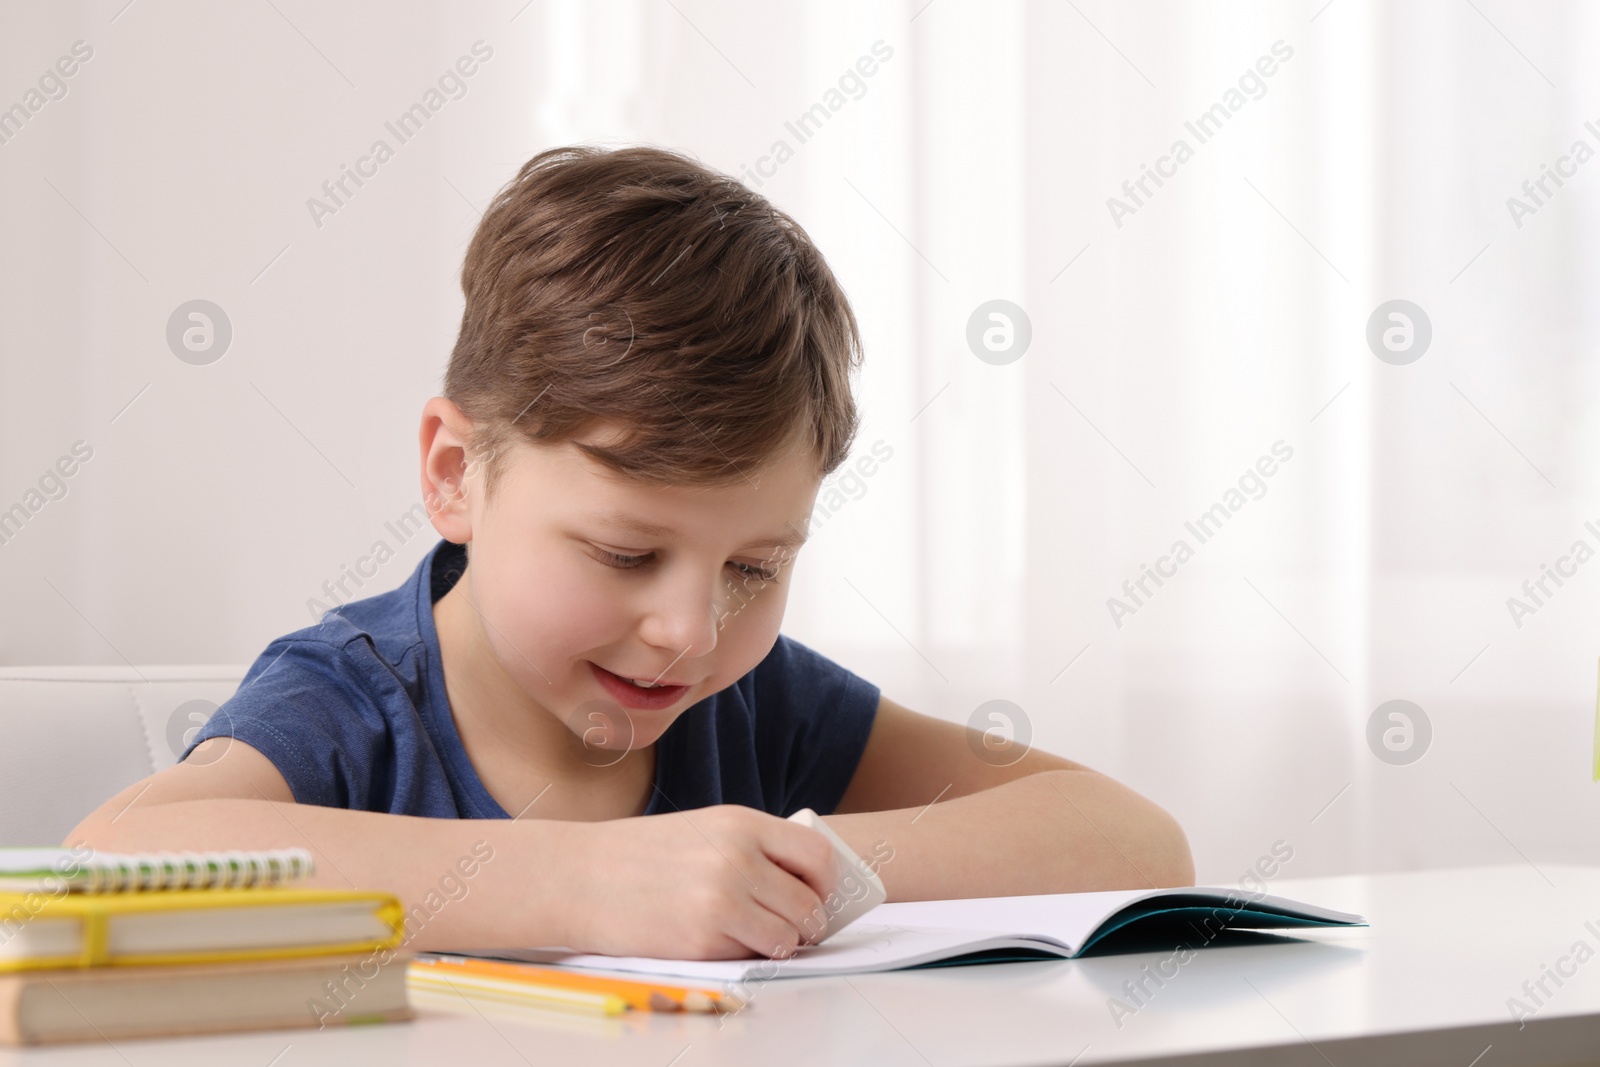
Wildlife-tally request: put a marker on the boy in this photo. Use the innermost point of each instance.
(581, 695)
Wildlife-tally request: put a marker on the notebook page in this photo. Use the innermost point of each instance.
(1072, 918)
(863, 946)
(1068, 918)
(34, 861)
(889, 936)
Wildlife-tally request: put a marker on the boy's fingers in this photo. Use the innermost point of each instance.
(770, 932)
(793, 902)
(803, 852)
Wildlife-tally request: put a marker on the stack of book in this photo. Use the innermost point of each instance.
(96, 946)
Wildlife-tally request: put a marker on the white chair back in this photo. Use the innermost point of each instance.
(71, 737)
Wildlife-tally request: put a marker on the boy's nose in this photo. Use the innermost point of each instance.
(682, 617)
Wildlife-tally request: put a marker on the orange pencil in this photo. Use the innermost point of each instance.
(640, 996)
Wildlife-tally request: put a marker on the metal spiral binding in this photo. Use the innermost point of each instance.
(236, 869)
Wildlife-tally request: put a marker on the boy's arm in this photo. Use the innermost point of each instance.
(960, 825)
(228, 795)
(714, 883)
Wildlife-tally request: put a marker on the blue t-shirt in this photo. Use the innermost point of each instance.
(353, 713)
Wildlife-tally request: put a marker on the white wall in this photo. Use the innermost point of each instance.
(1227, 313)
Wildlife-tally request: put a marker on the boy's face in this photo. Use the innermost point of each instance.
(585, 583)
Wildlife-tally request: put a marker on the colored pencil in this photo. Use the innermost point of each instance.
(529, 993)
(640, 996)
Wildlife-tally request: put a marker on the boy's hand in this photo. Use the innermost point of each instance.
(723, 882)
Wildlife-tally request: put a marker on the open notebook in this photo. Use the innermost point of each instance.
(918, 933)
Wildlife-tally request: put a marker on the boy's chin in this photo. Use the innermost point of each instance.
(607, 732)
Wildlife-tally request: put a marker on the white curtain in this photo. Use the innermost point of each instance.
(964, 153)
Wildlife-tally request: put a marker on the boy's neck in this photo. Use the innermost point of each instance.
(526, 757)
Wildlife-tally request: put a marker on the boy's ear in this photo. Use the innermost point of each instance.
(443, 437)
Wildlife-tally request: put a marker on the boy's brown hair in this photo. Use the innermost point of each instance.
(640, 287)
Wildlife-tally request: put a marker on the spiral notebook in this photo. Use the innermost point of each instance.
(84, 870)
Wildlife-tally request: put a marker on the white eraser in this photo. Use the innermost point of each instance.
(859, 889)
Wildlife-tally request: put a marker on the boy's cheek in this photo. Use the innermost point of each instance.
(560, 621)
(755, 605)
(748, 633)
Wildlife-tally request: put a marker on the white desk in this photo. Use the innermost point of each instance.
(1426, 984)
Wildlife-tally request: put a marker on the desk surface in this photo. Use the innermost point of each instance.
(1427, 983)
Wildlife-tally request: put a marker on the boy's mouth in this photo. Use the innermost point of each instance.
(641, 694)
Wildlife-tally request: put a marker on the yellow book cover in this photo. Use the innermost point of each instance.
(40, 930)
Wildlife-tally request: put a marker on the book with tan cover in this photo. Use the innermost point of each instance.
(112, 1003)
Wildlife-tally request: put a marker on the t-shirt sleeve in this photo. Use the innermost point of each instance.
(813, 718)
(309, 706)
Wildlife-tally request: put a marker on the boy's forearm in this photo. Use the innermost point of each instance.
(510, 898)
(1053, 832)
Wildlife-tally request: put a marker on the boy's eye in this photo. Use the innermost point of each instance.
(751, 571)
(768, 573)
(621, 562)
